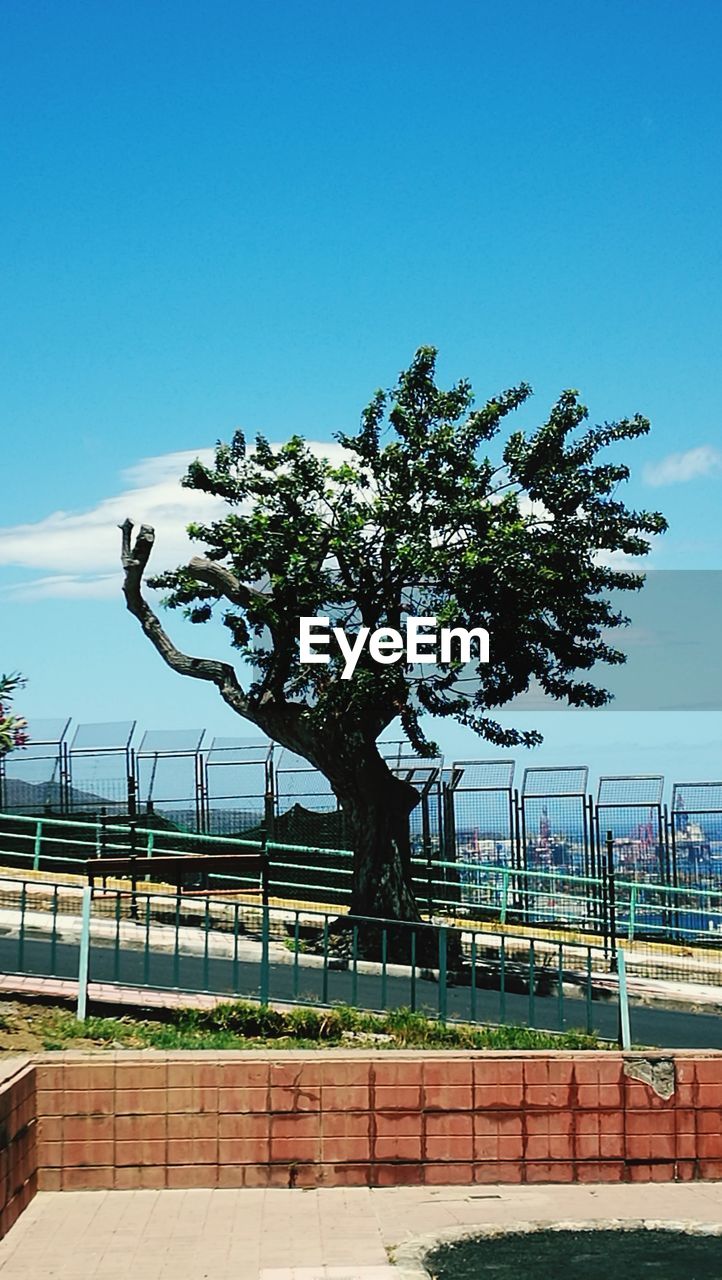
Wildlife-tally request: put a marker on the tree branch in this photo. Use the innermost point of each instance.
(226, 583)
(221, 674)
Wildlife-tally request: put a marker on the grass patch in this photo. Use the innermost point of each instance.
(243, 1025)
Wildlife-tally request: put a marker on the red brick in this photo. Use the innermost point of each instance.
(460, 1174)
(187, 1151)
(448, 1097)
(296, 1125)
(292, 1150)
(448, 1071)
(397, 1097)
(254, 1125)
(140, 1177)
(449, 1123)
(141, 1102)
(49, 1179)
(397, 1073)
(709, 1071)
(651, 1172)
(192, 1175)
(192, 1126)
(401, 1147)
(87, 1128)
(346, 1075)
(86, 1076)
(349, 1175)
(398, 1124)
(231, 1175)
(345, 1098)
(82, 1102)
(138, 1075)
(397, 1175)
(352, 1124)
(242, 1100)
(501, 1171)
(241, 1151)
(449, 1146)
(551, 1171)
(150, 1151)
(82, 1179)
(135, 1128)
(88, 1153)
(345, 1150)
(600, 1171)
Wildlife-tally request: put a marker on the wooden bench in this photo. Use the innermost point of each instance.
(173, 868)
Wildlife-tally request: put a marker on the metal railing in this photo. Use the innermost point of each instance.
(648, 917)
(147, 940)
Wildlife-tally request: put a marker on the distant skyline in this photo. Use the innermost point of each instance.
(234, 214)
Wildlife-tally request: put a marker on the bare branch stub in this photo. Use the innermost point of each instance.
(134, 558)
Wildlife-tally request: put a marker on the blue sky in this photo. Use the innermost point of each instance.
(238, 214)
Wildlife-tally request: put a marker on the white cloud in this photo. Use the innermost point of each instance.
(78, 553)
(679, 468)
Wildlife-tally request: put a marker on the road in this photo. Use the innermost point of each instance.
(651, 1026)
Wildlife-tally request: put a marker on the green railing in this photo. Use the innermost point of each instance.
(148, 940)
(604, 908)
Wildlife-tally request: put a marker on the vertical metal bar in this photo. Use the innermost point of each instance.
(632, 912)
(443, 993)
(473, 977)
(502, 980)
(84, 956)
(21, 938)
(54, 934)
(354, 965)
(116, 957)
(324, 992)
(590, 1020)
(38, 843)
(235, 947)
(560, 986)
(504, 895)
(296, 949)
(384, 956)
(265, 969)
(532, 983)
(612, 897)
(176, 950)
(625, 1038)
(413, 971)
(146, 952)
(206, 942)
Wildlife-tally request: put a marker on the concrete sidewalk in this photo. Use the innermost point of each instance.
(335, 1234)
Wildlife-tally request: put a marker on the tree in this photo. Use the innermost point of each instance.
(416, 519)
(12, 728)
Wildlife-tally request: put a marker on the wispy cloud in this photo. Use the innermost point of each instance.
(680, 468)
(77, 554)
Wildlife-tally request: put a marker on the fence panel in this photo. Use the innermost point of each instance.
(555, 821)
(631, 808)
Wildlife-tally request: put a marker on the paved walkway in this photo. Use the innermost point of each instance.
(335, 1234)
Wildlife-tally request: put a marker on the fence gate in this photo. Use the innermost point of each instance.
(696, 834)
(238, 786)
(35, 780)
(101, 769)
(169, 776)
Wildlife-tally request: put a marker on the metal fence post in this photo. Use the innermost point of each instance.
(442, 974)
(38, 844)
(264, 955)
(625, 1038)
(84, 957)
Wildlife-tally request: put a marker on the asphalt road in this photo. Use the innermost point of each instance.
(651, 1026)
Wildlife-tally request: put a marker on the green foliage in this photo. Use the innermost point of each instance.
(12, 728)
(427, 513)
(241, 1024)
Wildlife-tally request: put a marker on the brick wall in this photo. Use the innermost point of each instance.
(256, 1119)
(18, 1155)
